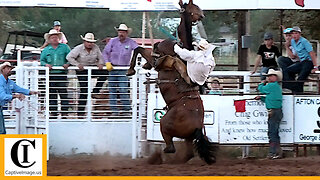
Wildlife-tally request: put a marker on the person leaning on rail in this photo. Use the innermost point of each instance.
(7, 87)
(87, 54)
(55, 55)
(118, 53)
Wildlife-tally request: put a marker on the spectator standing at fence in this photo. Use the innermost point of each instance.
(87, 54)
(7, 87)
(54, 55)
(306, 65)
(57, 27)
(118, 53)
(267, 53)
(273, 101)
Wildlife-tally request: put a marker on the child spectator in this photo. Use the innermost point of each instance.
(214, 86)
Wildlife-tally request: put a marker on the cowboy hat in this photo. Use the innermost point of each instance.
(88, 37)
(123, 27)
(5, 64)
(203, 45)
(274, 72)
(52, 32)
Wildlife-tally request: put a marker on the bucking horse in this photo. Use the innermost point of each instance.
(185, 112)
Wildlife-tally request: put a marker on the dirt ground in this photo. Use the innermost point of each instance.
(88, 165)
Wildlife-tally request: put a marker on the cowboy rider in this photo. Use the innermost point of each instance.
(199, 63)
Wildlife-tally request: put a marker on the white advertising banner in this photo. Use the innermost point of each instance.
(56, 3)
(307, 120)
(167, 5)
(157, 5)
(251, 126)
(223, 124)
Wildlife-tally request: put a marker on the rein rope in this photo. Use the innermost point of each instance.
(166, 32)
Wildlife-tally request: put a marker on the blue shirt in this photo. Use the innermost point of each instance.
(7, 87)
(303, 48)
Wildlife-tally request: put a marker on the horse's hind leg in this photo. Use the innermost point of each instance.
(188, 150)
(169, 144)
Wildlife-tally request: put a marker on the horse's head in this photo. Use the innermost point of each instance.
(193, 12)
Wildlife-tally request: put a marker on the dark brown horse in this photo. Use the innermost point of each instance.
(190, 13)
(184, 118)
(185, 114)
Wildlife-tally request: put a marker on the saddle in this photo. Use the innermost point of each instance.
(182, 81)
(168, 62)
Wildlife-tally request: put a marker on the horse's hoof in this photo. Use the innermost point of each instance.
(169, 150)
(131, 72)
(147, 66)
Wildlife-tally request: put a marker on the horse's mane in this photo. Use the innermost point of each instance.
(188, 28)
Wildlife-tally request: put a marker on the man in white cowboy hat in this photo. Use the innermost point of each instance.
(199, 63)
(55, 55)
(87, 54)
(7, 87)
(118, 53)
(273, 101)
(57, 27)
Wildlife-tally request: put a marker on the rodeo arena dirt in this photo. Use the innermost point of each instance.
(159, 122)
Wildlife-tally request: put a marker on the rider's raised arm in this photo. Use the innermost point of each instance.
(184, 53)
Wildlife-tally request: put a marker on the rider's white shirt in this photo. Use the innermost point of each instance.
(199, 63)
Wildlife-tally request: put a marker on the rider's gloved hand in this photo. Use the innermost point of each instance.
(109, 66)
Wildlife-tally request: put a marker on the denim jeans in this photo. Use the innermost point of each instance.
(83, 81)
(274, 118)
(2, 126)
(118, 82)
(58, 85)
(264, 70)
(290, 69)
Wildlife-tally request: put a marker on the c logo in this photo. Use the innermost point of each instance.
(14, 153)
(158, 115)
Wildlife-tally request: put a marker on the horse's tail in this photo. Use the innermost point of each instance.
(206, 149)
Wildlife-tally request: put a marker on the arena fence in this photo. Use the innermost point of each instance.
(300, 124)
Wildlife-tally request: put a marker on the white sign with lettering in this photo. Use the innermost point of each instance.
(251, 126)
(307, 120)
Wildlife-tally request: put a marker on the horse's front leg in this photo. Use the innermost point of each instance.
(131, 70)
(145, 53)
